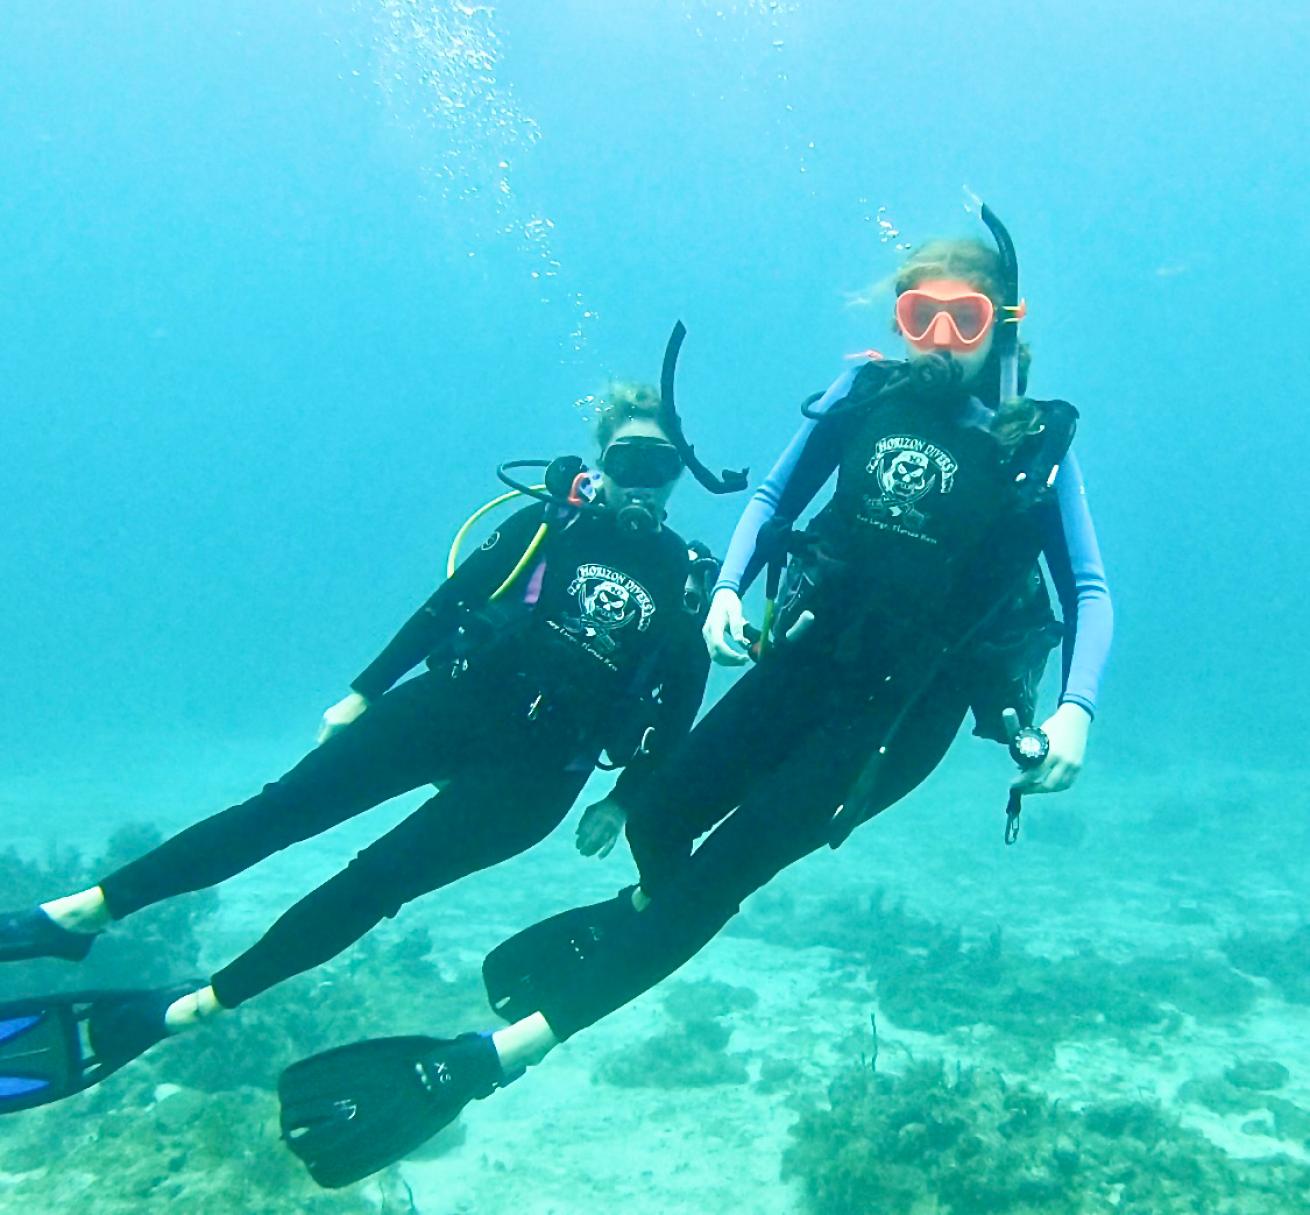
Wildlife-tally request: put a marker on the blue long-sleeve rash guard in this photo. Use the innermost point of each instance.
(1068, 540)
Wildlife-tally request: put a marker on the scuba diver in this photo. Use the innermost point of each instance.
(573, 630)
(914, 595)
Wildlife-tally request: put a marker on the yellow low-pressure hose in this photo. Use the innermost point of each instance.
(453, 559)
(523, 562)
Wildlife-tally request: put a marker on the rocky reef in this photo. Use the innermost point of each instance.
(933, 978)
(953, 1141)
(1251, 1087)
(1283, 960)
(693, 1053)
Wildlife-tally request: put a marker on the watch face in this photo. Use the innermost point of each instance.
(1032, 746)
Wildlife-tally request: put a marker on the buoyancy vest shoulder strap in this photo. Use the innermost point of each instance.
(1039, 456)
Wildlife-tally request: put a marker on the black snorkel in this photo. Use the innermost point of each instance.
(564, 480)
(729, 481)
(1007, 329)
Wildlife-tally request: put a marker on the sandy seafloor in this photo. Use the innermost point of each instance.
(1176, 857)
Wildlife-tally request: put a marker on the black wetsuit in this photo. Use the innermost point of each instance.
(911, 550)
(590, 644)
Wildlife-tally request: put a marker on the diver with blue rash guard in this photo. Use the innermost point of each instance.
(1068, 546)
(573, 630)
(913, 596)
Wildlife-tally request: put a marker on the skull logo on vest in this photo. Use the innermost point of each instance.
(905, 469)
(607, 600)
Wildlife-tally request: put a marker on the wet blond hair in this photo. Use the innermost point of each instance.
(626, 401)
(970, 261)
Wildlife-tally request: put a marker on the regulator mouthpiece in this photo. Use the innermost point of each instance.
(639, 518)
(936, 374)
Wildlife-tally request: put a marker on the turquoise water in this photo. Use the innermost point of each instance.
(281, 284)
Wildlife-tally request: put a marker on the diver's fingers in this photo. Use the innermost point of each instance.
(726, 656)
(725, 625)
(1054, 776)
(715, 633)
(737, 627)
(1062, 776)
(1010, 720)
(598, 829)
(1031, 781)
(719, 639)
(739, 651)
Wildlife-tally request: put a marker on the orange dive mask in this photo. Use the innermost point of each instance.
(955, 322)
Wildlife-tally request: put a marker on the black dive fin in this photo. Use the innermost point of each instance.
(521, 970)
(353, 1110)
(54, 1046)
(33, 934)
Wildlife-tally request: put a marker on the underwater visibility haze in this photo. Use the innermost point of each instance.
(282, 284)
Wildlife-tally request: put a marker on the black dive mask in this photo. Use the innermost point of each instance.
(641, 462)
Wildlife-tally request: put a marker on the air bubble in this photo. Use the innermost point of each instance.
(437, 65)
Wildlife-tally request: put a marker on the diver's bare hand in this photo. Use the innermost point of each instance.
(339, 716)
(600, 827)
(1067, 730)
(725, 629)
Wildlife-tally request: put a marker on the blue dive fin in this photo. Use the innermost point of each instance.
(54, 1046)
(40, 1054)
